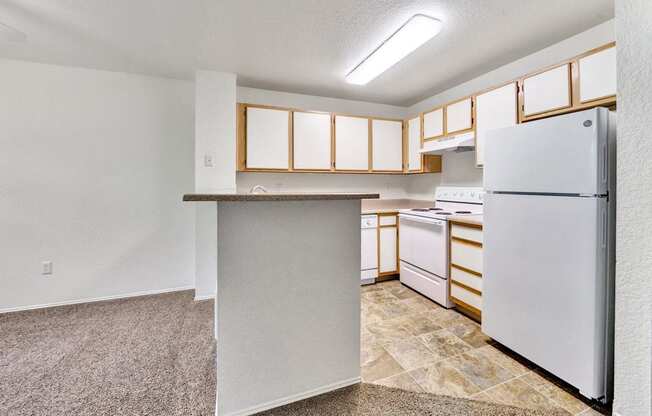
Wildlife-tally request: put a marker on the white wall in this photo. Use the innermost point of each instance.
(633, 349)
(92, 171)
(215, 132)
(459, 169)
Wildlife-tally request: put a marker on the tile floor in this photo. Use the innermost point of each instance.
(412, 343)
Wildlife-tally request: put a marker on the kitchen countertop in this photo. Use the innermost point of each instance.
(467, 219)
(389, 206)
(269, 196)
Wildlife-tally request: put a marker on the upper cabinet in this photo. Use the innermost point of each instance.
(387, 145)
(459, 116)
(351, 143)
(312, 141)
(267, 142)
(547, 91)
(494, 109)
(597, 75)
(433, 124)
(413, 145)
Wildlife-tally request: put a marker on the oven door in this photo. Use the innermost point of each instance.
(423, 243)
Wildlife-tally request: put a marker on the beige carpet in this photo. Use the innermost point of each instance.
(155, 355)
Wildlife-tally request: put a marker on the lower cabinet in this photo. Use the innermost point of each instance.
(466, 268)
(387, 245)
(369, 248)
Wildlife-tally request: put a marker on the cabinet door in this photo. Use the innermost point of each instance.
(414, 145)
(268, 138)
(312, 141)
(547, 91)
(387, 145)
(351, 143)
(459, 116)
(433, 124)
(388, 239)
(494, 109)
(597, 74)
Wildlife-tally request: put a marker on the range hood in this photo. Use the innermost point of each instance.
(457, 142)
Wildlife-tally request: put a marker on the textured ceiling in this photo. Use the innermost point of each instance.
(302, 46)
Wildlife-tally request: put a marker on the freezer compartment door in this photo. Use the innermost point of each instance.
(561, 155)
(544, 283)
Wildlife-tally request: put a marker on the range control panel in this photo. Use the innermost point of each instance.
(459, 194)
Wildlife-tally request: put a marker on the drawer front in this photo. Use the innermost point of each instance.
(467, 233)
(466, 255)
(471, 280)
(467, 297)
(425, 283)
(369, 221)
(388, 220)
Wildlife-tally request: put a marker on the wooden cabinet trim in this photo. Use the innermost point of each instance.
(607, 99)
(464, 269)
(465, 287)
(467, 242)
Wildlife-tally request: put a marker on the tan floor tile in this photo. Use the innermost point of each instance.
(387, 331)
(370, 288)
(372, 313)
(592, 412)
(479, 369)
(470, 333)
(377, 296)
(518, 393)
(402, 292)
(401, 381)
(421, 323)
(411, 353)
(444, 344)
(446, 317)
(504, 360)
(376, 363)
(442, 378)
(395, 308)
(555, 393)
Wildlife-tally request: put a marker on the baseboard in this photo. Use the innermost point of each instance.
(204, 297)
(295, 397)
(98, 299)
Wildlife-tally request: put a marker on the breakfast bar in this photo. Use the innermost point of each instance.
(287, 309)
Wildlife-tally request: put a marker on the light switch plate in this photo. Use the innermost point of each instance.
(209, 161)
(46, 267)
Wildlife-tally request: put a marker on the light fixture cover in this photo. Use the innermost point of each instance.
(414, 33)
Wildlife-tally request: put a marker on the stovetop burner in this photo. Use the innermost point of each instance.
(444, 213)
(463, 212)
(421, 209)
(435, 209)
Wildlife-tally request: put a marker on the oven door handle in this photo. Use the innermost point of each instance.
(420, 219)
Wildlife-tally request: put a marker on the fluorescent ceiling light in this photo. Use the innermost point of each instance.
(415, 32)
(11, 34)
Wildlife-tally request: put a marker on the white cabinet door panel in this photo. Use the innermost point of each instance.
(267, 138)
(598, 75)
(433, 123)
(459, 116)
(388, 237)
(351, 143)
(547, 91)
(312, 141)
(494, 109)
(387, 145)
(414, 144)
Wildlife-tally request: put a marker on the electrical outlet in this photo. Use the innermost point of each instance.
(209, 161)
(46, 267)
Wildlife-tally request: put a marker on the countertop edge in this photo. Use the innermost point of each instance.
(276, 197)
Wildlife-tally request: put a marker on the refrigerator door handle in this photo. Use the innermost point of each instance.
(604, 228)
(605, 164)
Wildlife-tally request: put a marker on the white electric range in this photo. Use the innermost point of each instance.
(423, 240)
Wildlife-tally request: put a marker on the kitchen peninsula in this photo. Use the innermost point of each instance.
(287, 309)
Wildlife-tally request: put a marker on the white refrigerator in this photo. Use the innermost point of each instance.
(549, 222)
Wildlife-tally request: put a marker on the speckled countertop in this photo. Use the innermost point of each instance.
(269, 196)
(467, 219)
(381, 206)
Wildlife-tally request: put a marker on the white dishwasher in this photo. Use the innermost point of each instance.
(369, 249)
